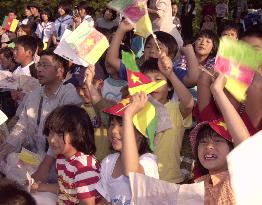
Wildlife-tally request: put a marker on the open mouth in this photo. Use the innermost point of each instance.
(210, 156)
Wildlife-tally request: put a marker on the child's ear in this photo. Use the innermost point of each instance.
(99, 84)
(67, 138)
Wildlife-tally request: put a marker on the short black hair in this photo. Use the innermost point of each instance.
(168, 40)
(27, 42)
(61, 62)
(74, 120)
(228, 25)
(8, 53)
(211, 35)
(151, 66)
(48, 13)
(65, 5)
(85, 5)
(113, 12)
(143, 145)
(11, 193)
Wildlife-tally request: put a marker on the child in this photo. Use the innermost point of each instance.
(229, 28)
(208, 23)
(132, 155)
(24, 30)
(203, 53)
(44, 29)
(176, 20)
(211, 143)
(165, 41)
(250, 111)
(109, 19)
(24, 51)
(168, 142)
(62, 23)
(71, 137)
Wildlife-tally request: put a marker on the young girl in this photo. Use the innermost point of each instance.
(62, 23)
(211, 143)
(71, 137)
(132, 155)
(44, 29)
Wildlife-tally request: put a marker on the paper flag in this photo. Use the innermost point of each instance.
(239, 62)
(150, 191)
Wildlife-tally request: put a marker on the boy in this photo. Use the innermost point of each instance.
(24, 51)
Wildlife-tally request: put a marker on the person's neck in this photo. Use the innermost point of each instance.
(63, 16)
(163, 101)
(51, 88)
(26, 62)
(201, 58)
(45, 21)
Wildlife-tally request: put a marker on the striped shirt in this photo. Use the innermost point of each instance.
(77, 178)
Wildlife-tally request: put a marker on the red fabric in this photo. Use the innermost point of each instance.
(211, 112)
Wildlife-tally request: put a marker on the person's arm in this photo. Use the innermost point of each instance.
(186, 99)
(43, 169)
(193, 70)
(89, 201)
(129, 153)
(43, 187)
(235, 124)
(112, 56)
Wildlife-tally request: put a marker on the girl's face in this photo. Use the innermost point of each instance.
(82, 12)
(28, 12)
(61, 11)
(203, 46)
(151, 49)
(115, 134)
(230, 33)
(108, 15)
(212, 153)
(44, 17)
(58, 142)
(160, 94)
(20, 32)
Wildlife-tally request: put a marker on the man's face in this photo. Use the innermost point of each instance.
(20, 53)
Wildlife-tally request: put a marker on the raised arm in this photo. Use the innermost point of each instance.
(129, 154)
(235, 124)
(186, 99)
(112, 56)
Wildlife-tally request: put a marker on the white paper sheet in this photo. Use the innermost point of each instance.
(150, 191)
(245, 170)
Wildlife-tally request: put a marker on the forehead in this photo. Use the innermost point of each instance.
(46, 58)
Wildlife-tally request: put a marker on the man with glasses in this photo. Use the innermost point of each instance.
(53, 93)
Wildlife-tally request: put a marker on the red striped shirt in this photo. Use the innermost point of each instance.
(77, 178)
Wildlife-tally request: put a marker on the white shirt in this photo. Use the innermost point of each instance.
(117, 190)
(26, 130)
(65, 23)
(23, 70)
(46, 28)
(90, 20)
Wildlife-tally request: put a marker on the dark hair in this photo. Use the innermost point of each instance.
(13, 11)
(74, 120)
(113, 12)
(26, 28)
(65, 5)
(28, 42)
(211, 35)
(228, 25)
(40, 45)
(11, 193)
(253, 32)
(151, 65)
(168, 40)
(48, 13)
(85, 5)
(143, 144)
(8, 53)
(206, 131)
(61, 62)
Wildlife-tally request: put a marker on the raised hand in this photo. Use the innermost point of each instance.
(138, 102)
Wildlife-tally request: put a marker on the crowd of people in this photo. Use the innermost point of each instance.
(87, 154)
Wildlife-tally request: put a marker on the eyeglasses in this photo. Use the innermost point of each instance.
(44, 65)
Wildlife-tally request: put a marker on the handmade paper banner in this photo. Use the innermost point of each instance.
(65, 51)
(11, 81)
(29, 157)
(10, 24)
(150, 191)
(87, 42)
(3, 117)
(239, 62)
(244, 171)
(136, 12)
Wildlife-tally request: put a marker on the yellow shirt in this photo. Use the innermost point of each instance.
(168, 145)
